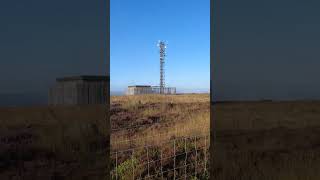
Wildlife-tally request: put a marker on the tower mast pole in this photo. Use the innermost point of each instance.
(162, 46)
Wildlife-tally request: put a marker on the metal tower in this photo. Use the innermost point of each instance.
(162, 46)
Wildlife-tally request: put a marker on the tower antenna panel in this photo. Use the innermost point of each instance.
(162, 49)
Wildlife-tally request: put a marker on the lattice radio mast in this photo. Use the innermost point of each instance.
(162, 46)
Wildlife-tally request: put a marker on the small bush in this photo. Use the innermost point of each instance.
(125, 169)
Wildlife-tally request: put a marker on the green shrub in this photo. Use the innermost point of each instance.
(125, 169)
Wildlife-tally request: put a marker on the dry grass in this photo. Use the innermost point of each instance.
(173, 116)
(128, 102)
(53, 142)
(157, 120)
(267, 140)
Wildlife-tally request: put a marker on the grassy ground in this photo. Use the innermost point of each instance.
(266, 140)
(254, 140)
(67, 142)
(157, 121)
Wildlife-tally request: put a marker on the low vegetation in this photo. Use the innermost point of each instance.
(66, 142)
(156, 131)
(266, 140)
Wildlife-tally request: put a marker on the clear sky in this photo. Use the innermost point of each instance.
(267, 49)
(135, 28)
(41, 40)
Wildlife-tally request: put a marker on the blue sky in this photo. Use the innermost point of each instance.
(266, 50)
(42, 40)
(135, 28)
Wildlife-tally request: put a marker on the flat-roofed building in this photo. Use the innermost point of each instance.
(139, 89)
(79, 90)
(146, 89)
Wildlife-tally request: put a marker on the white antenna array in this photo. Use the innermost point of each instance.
(162, 47)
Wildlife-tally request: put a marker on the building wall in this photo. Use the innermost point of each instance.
(139, 90)
(78, 92)
(149, 90)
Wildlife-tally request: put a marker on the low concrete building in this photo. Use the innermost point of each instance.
(166, 90)
(139, 89)
(79, 90)
(146, 89)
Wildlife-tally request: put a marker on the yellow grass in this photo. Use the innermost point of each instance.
(187, 116)
(61, 138)
(156, 98)
(170, 124)
(266, 140)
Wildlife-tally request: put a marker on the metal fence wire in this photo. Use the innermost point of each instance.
(170, 157)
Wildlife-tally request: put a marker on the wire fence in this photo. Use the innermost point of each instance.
(161, 154)
(173, 158)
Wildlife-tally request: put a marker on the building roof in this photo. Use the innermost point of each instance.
(140, 86)
(84, 78)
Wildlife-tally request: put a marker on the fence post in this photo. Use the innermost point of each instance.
(148, 161)
(205, 154)
(185, 160)
(161, 163)
(132, 161)
(116, 165)
(174, 159)
(195, 165)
